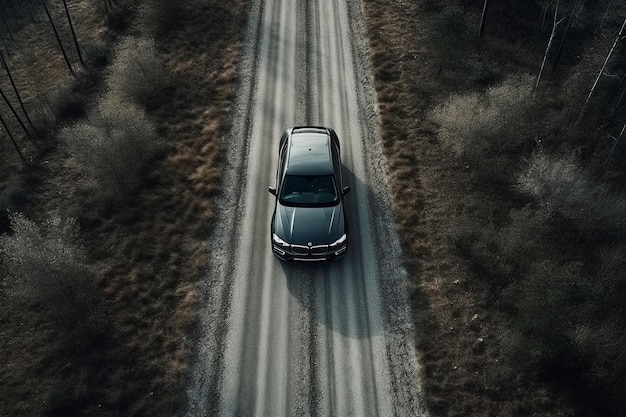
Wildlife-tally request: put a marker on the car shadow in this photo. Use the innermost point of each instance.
(346, 296)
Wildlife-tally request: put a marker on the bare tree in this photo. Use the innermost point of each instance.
(545, 7)
(606, 13)
(564, 38)
(483, 20)
(615, 143)
(618, 38)
(555, 25)
(69, 20)
(619, 100)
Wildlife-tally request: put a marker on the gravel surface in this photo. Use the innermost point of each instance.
(276, 339)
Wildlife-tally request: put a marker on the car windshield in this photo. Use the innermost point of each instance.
(309, 190)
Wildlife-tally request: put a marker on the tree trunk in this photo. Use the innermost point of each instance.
(619, 101)
(69, 19)
(608, 158)
(555, 25)
(483, 20)
(569, 25)
(606, 14)
(606, 61)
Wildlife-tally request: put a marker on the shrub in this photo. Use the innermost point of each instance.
(137, 73)
(476, 125)
(114, 145)
(65, 102)
(47, 265)
(96, 54)
(560, 185)
(559, 182)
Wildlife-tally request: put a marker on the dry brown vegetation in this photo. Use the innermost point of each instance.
(136, 168)
(510, 216)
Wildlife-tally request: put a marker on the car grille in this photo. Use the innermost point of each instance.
(300, 250)
(319, 250)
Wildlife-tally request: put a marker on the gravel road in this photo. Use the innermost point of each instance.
(276, 339)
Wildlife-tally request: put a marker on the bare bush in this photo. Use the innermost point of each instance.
(113, 145)
(137, 73)
(46, 264)
(558, 182)
(67, 101)
(477, 125)
(560, 185)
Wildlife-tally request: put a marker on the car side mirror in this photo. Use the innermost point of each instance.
(272, 190)
(345, 190)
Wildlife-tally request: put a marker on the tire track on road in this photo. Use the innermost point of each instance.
(255, 346)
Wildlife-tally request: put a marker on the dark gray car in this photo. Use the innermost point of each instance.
(309, 221)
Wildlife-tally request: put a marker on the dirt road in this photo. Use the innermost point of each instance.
(277, 339)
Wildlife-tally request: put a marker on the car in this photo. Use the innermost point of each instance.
(309, 221)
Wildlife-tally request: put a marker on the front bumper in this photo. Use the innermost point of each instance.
(318, 253)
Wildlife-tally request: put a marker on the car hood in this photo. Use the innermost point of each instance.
(317, 225)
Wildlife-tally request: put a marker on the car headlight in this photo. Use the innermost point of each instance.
(340, 241)
(278, 240)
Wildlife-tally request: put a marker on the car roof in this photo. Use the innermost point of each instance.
(309, 152)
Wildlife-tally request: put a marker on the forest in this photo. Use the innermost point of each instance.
(504, 126)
